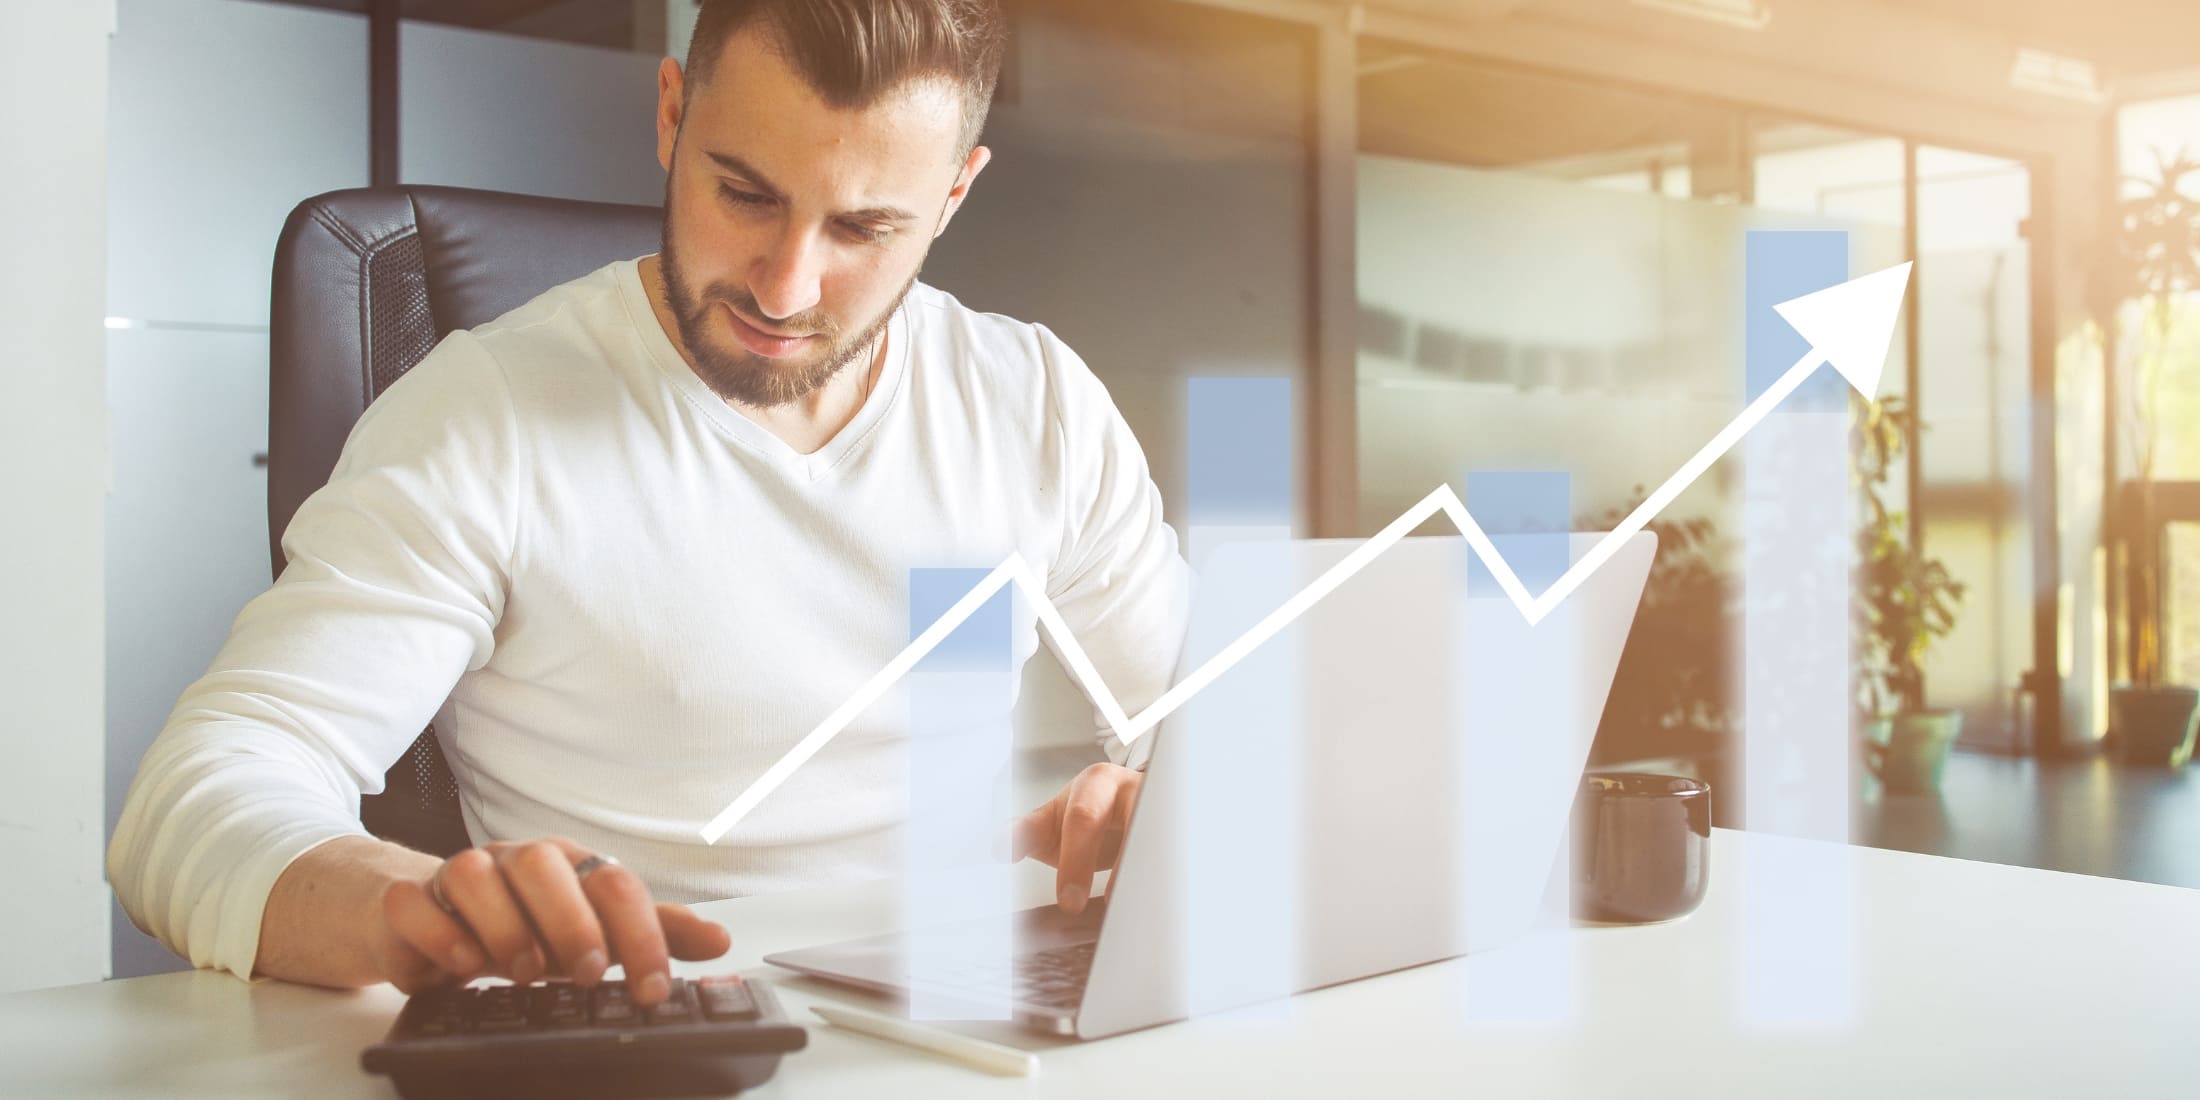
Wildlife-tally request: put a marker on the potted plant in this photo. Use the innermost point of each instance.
(2154, 261)
(1905, 601)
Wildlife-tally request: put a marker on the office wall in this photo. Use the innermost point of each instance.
(508, 113)
(53, 468)
(192, 217)
(1514, 322)
(680, 26)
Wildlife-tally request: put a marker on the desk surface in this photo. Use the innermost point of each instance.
(1963, 979)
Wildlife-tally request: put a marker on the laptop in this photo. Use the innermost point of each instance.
(1385, 783)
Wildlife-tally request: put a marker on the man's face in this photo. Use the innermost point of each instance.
(792, 229)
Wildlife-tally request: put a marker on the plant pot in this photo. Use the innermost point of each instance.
(2154, 725)
(1908, 751)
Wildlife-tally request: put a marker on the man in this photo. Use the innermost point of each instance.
(629, 542)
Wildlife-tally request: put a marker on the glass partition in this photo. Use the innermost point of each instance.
(1550, 276)
(1975, 363)
(2150, 135)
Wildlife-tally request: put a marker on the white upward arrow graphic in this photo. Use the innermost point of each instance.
(1848, 325)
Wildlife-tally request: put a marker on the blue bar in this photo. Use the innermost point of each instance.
(1238, 453)
(1240, 747)
(1796, 940)
(1781, 265)
(958, 892)
(1527, 514)
(983, 638)
(1516, 697)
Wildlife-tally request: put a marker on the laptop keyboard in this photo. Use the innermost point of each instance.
(1054, 978)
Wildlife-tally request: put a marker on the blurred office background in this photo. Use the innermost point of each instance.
(1474, 233)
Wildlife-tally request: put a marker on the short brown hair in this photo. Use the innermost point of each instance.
(854, 51)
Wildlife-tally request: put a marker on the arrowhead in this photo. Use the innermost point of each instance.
(1851, 324)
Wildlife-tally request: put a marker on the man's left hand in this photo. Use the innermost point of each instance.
(1080, 830)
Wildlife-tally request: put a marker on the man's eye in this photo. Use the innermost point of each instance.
(864, 234)
(743, 198)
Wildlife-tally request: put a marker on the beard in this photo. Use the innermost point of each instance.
(739, 375)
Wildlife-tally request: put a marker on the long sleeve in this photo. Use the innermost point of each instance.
(1120, 583)
(396, 579)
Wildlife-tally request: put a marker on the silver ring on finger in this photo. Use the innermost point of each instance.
(592, 864)
(435, 894)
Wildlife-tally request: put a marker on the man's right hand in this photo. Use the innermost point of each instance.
(522, 913)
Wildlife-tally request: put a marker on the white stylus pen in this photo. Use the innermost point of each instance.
(990, 1057)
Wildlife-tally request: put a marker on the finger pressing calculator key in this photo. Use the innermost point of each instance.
(718, 1034)
(726, 997)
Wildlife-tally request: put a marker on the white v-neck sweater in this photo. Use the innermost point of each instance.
(620, 601)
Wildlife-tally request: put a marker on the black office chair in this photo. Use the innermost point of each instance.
(366, 282)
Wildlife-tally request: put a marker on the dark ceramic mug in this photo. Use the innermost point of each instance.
(1641, 847)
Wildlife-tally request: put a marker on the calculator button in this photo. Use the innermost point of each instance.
(560, 1004)
(447, 1015)
(726, 997)
(613, 1006)
(501, 1008)
(676, 1008)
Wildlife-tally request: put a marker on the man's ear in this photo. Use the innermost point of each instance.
(671, 86)
(979, 158)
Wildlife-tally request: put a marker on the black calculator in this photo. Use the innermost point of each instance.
(713, 1035)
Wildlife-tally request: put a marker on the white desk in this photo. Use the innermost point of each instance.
(1970, 979)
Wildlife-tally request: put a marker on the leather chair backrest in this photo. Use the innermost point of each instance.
(366, 281)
